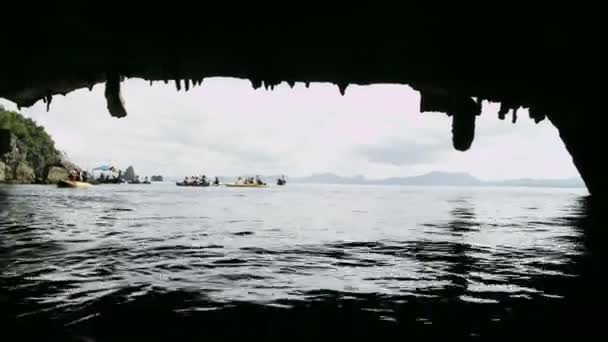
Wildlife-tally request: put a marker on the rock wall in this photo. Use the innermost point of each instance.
(24, 174)
(585, 140)
(20, 173)
(15, 169)
(56, 174)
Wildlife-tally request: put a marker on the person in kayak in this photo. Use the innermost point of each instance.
(281, 180)
(216, 181)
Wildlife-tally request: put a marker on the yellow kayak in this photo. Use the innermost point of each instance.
(72, 184)
(246, 185)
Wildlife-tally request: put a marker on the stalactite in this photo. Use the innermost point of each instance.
(502, 112)
(342, 87)
(255, 83)
(49, 99)
(536, 115)
(115, 103)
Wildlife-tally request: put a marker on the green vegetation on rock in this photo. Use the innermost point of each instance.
(34, 146)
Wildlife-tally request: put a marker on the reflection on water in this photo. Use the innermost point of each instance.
(133, 263)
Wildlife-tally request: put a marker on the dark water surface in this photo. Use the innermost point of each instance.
(158, 262)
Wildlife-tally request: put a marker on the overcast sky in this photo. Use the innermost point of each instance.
(224, 127)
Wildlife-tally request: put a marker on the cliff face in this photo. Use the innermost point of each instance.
(56, 174)
(27, 153)
(16, 169)
(548, 59)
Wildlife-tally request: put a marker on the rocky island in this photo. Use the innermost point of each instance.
(32, 156)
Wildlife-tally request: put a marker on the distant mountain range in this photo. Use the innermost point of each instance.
(437, 178)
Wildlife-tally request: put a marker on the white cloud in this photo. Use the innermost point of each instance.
(225, 127)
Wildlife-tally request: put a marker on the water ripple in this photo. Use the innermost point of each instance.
(290, 259)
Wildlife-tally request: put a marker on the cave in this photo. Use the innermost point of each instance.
(545, 59)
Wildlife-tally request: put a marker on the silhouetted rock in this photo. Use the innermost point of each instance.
(157, 178)
(5, 140)
(129, 174)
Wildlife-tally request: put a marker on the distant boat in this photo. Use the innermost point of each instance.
(72, 184)
(193, 184)
(139, 182)
(247, 185)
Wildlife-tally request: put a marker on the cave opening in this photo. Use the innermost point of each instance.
(233, 127)
(158, 262)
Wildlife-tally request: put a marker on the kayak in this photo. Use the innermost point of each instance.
(72, 184)
(247, 185)
(192, 184)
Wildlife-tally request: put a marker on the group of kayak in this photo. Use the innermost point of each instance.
(198, 181)
(247, 182)
(81, 181)
(119, 180)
